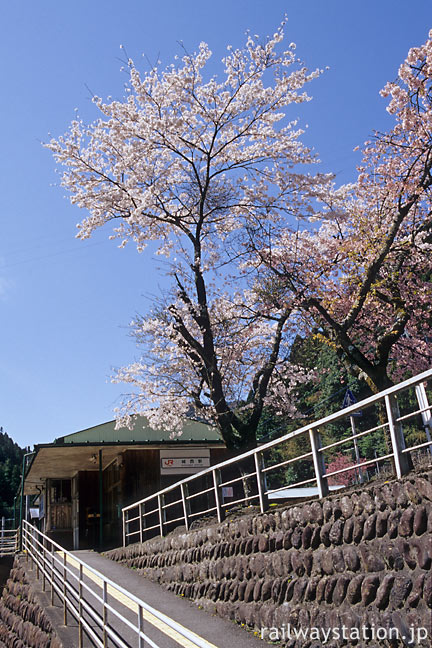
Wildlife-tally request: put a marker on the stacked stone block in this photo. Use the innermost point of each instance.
(361, 559)
(23, 622)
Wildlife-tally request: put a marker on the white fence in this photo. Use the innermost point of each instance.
(92, 600)
(250, 475)
(8, 542)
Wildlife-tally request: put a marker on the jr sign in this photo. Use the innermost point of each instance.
(184, 462)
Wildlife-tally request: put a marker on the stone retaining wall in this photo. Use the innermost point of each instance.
(23, 621)
(357, 560)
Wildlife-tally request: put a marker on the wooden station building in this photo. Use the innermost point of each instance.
(83, 480)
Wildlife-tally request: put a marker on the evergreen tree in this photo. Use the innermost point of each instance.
(11, 456)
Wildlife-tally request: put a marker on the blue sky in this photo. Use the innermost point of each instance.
(65, 304)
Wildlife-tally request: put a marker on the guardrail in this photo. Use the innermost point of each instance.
(89, 597)
(8, 542)
(209, 491)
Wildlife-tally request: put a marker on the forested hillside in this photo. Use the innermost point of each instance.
(10, 473)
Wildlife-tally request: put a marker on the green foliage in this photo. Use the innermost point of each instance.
(10, 473)
(326, 396)
(317, 399)
(291, 473)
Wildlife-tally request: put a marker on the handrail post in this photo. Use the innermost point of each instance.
(319, 464)
(124, 521)
(104, 613)
(80, 591)
(426, 415)
(140, 521)
(64, 588)
(402, 461)
(356, 451)
(263, 497)
(186, 504)
(44, 565)
(24, 540)
(141, 642)
(217, 494)
(52, 574)
(161, 503)
(30, 544)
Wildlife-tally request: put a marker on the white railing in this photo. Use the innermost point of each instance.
(91, 599)
(249, 475)
(8, 542)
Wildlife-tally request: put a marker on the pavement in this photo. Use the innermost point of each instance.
(172, 621)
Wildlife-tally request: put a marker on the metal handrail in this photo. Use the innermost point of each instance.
(398, 453)
(89, 602)
(8, 542)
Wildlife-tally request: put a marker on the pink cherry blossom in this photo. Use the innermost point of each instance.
(200, 164)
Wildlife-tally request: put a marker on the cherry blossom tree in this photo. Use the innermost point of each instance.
(197, 164)
(361, 276)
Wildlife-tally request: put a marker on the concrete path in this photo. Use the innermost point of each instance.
(202, 629)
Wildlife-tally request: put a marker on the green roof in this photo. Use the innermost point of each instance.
(193, 431)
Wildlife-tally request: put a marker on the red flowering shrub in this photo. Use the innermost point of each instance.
(347, 478)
